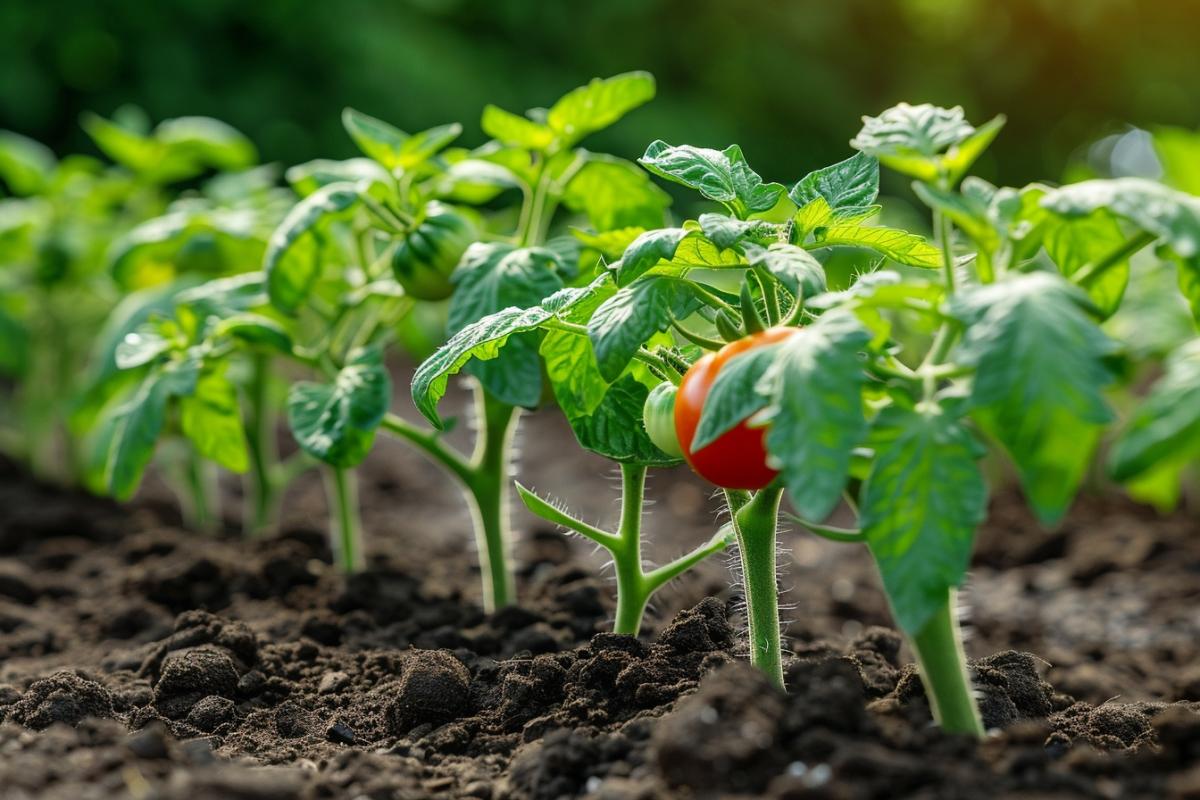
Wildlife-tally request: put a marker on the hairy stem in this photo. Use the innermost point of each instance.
(346, 527)
(756, 523)
(488, 489)
(632, 591)
(944, 672)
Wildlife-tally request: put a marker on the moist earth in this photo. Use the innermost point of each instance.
(140, 660)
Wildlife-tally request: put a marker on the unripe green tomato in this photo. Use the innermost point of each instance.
(429, 253)
(658, 415)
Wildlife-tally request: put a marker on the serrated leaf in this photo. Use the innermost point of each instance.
(721, 175)
(962, 156)
(900, 246)
(569, 361)
(597, 105)
(792, 266)
(614, 429)
(815, 410)
(920, 506)
(910, 139)
(625, 321)
(1165, 426)
(514, 130)
(1172, 216)
(1040, 373)
(614, 193)
(211, 420)
(727, 232)
(139, 423)
(645, 251)
(492, 277)
(849, 184)
(610, 244)
(734, 396)
(336, 422)
(291, 279)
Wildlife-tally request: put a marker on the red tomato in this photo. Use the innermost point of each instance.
(738, 458)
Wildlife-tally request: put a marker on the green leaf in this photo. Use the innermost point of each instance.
(374, 137)
(646, 251)
(624, 322)
(920, 506)
(336, 423)
(292, 275)
(815, 410)
(614, 193)
(1165, 427)
(178, 149)
(202, 242)
(1074, 243)
(482, 341)
(492, 277)
(257, 330)
(475, 181)
(1172, 216)
(139, 423)
(570, 362)
(597, 105)
(900, 246)
(424, 145)
(25, 165)
(910, 139)
(1040, 374)
(727, 232)
(1178, 151)
(142, 346)
(962, 156)
(792, 266)
(615, 430)
(211, 419)
(610, 244)
(514, 130)
(734, 396)
(306, 178)
(846, 187)
(721, 175)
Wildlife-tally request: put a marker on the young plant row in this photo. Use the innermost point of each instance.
(723, 336)
(734, 342)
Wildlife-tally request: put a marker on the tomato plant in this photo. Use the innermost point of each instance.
(737, 459)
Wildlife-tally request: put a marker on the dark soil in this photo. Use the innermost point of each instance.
(138, 660)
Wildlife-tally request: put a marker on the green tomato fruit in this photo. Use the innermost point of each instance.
(428, 255)
(658, 415)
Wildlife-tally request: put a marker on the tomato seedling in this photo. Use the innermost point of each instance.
(425, 221)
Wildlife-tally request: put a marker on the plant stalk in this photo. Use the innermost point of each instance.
(200, 507)
(755, 524)
(488, 489)
(261, 489)
(632, 590)
(944, 673)
(346, 528)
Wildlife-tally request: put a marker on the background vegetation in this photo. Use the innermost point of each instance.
(787, 80)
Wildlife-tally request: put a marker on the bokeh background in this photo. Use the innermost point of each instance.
(787, 80)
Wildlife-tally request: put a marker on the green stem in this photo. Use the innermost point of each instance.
(945, 232)
(346, 527)
(200, 505)
(756, 527)
(944, 672)
(632, 591)
(488, 489)
(261, 490)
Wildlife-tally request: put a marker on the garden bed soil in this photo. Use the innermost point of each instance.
(139, 660)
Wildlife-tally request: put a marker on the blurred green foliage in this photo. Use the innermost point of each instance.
(787, 80)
